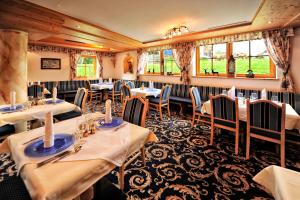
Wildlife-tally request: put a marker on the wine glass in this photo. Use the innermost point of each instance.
(224, 92)
(274, 98)
(253, 96)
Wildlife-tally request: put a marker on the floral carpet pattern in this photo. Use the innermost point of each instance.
(182, 164)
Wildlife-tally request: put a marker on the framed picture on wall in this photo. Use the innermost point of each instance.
(50, 63)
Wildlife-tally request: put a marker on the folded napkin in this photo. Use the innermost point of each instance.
(49, 133)
(231, 92)
(54, 94)
(108, 117)
(110, 80)
(264, 94)
(13, 99)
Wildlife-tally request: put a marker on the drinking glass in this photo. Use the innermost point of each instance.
(241, 98)
(254, 96)
(274, 98)
(224, 92)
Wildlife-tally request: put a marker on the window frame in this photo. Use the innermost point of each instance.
(155, 73)
(163, 63)
(198, 67)
(272, 73)
(162, 66)
(229, 52)
(95, 67)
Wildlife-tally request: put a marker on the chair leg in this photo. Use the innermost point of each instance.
(212, 134)
(247, 145)
(193, 119)
(282, 154)
(169, 113)
(113, 98)
(160, 113)
(236, 142)
(121, 177)
(143, 156)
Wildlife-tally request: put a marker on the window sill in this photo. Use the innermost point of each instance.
(175, 75)
(227, 77)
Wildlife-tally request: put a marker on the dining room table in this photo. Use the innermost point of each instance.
(20, 116)
(282, 183)
(102, 86)
(292, 118)
(145, 92)
(72, 175)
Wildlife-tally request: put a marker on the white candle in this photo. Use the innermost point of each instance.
(54, 94)
(108, 117)
(49, 133)
(13, 99)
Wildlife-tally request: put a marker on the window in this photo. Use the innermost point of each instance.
(252, 55)
(213, 59)
(86, 67)
(170, 65)
(153, 62)
(249, 55)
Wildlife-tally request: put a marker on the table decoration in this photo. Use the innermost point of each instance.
(114, 123)
(10, 109)
(13, 100)
(37, 149)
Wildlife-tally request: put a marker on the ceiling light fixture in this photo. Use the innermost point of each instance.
(176, 31)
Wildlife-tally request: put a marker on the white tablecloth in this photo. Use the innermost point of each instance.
(70, 177)
(284, 184)
(145, 92)
(291, 121)
(35, 112)
(102, 86)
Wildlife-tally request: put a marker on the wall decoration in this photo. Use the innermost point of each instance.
(50, 63)
(128, 64)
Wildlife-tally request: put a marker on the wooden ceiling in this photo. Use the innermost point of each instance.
(49, 27)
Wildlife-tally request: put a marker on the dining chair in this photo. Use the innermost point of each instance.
(125, 91)
(93, 95)
(36, 91)
(116, 91)
(266, 121)
(196, 103)
(134, 111)
(225, 115)
(157, 103)
(130, 84)
(79, 101)
(6, 130)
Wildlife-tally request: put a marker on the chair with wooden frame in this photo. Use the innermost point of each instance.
(196, 102)
(266, 121)
(134, 111)
(79, 101)
(125, 91)
(225, 115)
(130, 84)
(116, 91)
(161, 101)
(93, 95)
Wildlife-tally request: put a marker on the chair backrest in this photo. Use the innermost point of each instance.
(117, 86)
(165, 93)
(266, 115)
(135, 110)
(130, 84)
(125, 89)
(195, 96)
(88, 85)
(35, 90)
(80, 98)
(224, 108)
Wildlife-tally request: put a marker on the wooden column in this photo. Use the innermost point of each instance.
(13, 65)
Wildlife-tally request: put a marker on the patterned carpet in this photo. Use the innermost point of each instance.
(182, 165)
